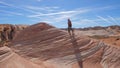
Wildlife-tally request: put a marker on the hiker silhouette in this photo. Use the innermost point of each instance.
(70, 29)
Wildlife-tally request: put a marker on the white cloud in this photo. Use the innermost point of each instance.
(36, 8)
(113, 20)
(11, 13)
(39, 0)
(16, 7)
(75, 11)
(104, 19)
(13, 6)
(103, 8)
(85, 23)
(4, 3)
(61, 13)
(60, 16)
(100, 21)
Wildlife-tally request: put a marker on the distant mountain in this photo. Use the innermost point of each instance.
(97, 28)
(100, 27)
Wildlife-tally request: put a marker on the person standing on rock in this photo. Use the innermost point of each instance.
(70, 27)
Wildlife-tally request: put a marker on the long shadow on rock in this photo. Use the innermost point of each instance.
(76, 50)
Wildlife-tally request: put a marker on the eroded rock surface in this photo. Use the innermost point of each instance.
(7, 32)
(42, 42)
(8, 59)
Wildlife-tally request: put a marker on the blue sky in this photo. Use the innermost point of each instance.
(83, 13)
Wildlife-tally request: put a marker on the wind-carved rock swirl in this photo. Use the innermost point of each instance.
(49, 44)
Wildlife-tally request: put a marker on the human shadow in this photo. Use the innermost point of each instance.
(77, 52)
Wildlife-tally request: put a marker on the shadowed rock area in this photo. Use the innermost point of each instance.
(8, 32)
(44, 43)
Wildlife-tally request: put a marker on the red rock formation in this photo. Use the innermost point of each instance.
(7, 32)
(51, 45)
(8, 59)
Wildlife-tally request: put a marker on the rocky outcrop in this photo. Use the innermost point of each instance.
(7, 32)
(43, 42)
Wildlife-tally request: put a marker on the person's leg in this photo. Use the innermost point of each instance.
(69, 29)
(72, 30)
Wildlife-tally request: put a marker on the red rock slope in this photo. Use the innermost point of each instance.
(8, 59)
(42, 42)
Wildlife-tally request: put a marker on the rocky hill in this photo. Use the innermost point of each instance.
(42, 43)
